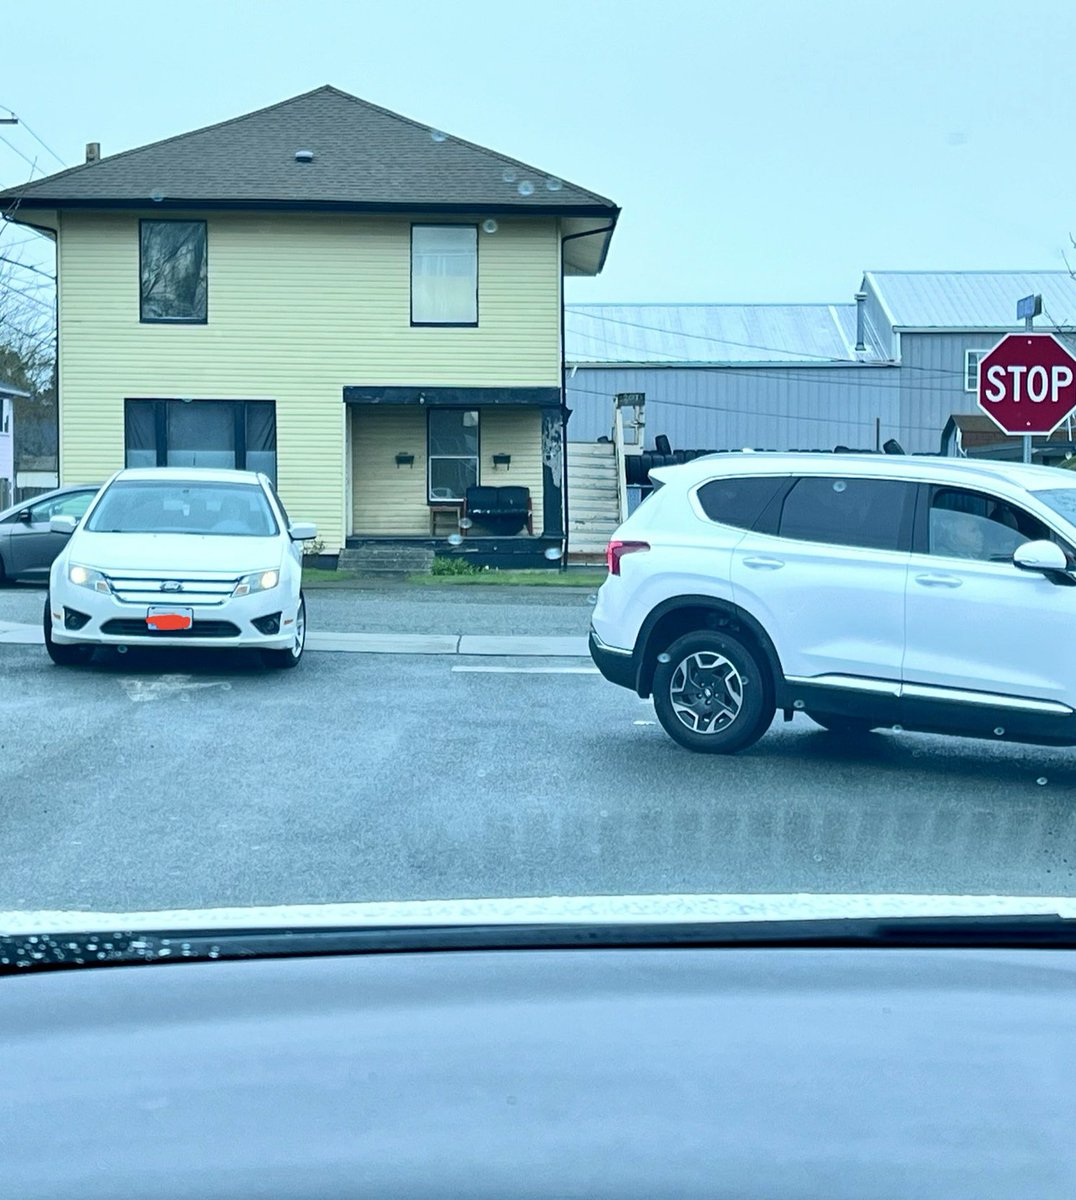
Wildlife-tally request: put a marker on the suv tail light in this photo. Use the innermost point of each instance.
(616, 550)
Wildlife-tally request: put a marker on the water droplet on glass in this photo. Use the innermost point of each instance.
(466, 523)
(664, 658)
(999, 732)
(898, 728)
(526, 188)
(437, 136)
(508, 175)
(552, 553)
(184, 945)
(592, 598)
(840, 485)
(214, 952)
(489, 226)
(818, 858)
(554, 185)
(156, 196)
(1042, 781)
(163, 952)
(89, 945)
(455, 539)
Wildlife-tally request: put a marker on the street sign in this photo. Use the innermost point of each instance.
(1028, 306)
(1027, 383)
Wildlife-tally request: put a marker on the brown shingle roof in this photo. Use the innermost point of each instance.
(364, 157)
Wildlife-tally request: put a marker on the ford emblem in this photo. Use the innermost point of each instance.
(171, 585)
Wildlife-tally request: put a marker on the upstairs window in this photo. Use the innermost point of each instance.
(444, 275)
(173, 271)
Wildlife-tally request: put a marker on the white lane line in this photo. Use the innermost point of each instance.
(526, 670)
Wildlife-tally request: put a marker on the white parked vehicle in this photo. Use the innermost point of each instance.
(179, 557)
(923, 593)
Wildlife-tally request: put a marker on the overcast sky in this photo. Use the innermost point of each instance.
(760, 150)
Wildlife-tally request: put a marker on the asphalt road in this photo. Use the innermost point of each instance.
(156, 781)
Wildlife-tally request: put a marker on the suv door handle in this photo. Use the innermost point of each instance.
(950, 581)
(763, 564)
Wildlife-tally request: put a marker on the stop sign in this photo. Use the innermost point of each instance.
(1027, 383)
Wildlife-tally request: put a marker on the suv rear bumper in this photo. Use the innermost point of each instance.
(618, 666)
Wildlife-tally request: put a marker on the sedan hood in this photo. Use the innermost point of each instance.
(173, 553)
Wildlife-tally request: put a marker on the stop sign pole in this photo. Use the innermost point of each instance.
(1029, 308)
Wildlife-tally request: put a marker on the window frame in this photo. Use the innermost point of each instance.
(967, 369)
(477, 456)
(921, 537)
(774, 513)
(142, 318)
(239, 418)
(411, 275)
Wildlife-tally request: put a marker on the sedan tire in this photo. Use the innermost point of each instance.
(63, 656)
(291, 657)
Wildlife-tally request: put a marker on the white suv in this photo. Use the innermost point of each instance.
(923, 593)
(179, 557)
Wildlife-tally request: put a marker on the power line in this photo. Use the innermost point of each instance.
(31, 161)
(26, 267)
(26, 296)
(40, 142)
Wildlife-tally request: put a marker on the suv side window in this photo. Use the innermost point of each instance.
(873, 514)
(974, 525)
(740, 500)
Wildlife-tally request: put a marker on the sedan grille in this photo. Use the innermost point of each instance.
(206, 588)
(122, 627)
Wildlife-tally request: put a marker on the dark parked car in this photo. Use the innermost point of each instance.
(27, 545)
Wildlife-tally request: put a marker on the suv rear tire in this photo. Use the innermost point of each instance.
(712, 693)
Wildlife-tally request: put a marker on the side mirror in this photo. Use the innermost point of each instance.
(65, 525)
(1040, 556)
(302, 531)
(24, 517)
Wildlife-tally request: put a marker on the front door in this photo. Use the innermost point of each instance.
(825, 573)
(976, 622)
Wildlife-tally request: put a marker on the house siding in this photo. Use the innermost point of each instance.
(932, 385)
(299, 307)
(722, 408)
(390, 501)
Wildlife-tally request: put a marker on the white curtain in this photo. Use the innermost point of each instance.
(444, 274)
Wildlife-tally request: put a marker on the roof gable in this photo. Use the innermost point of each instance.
(364, 156)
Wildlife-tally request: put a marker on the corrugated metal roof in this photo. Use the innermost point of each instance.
(713, 334)
(972, 299)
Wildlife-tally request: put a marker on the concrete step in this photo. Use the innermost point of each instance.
(387, 559)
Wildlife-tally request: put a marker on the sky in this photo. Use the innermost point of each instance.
(761, 150)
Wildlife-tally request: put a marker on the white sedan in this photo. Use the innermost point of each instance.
(179, 557)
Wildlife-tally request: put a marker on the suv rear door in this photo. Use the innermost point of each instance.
(825, 572)
(977, 623)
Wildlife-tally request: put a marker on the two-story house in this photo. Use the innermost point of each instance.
(368, 310)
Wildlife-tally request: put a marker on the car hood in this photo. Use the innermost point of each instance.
(173, 553)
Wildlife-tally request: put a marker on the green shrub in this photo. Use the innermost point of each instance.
(443, 565)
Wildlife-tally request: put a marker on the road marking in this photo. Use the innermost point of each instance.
(527, 670)
(168, 685)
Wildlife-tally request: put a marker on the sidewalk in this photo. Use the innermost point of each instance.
(16, 634)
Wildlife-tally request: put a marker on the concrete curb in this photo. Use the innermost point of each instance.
(14, 634)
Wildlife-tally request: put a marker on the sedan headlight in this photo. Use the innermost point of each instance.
(260, 581)
(88, 577)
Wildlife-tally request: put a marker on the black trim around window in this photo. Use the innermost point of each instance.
(411, 276)
(159, 414)
(143, 319)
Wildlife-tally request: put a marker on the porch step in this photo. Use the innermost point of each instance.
(593, 510)
(393, 559)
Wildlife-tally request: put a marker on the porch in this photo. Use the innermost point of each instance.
(475, 473)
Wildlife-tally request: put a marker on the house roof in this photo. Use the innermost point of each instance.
(715, 334)
(972, 299)
(364, 158)
(9, 389)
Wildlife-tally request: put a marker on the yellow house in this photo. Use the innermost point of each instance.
(368, 310)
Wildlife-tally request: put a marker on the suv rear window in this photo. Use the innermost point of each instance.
(871, 513)
(738, 502)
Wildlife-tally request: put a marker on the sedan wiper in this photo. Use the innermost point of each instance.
(41, 952)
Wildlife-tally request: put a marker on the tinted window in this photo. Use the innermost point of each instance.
(738, 502)
(152, 506)
(872, 513)
(973, 525)
(74, 504)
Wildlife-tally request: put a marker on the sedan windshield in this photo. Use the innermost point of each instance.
(1062, 501)
(156, 506)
